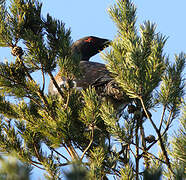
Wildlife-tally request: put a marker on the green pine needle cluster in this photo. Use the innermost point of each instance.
(137, 61)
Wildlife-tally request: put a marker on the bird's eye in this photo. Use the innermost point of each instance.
(89, 40)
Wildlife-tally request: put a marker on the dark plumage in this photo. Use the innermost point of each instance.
(94, 74)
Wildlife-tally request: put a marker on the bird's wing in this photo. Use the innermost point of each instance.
(96, 75)
(93, 74)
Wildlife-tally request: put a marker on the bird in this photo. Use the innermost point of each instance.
(94, 74)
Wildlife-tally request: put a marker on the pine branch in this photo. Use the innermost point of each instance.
(159, 136)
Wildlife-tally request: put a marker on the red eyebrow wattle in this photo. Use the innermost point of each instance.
(89, 39)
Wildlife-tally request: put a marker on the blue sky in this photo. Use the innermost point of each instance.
(91, 18)
(86, 17)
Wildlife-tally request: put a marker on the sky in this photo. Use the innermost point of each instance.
(86, 17)
(90, 17)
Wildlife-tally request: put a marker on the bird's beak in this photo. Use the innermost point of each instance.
(107, 42)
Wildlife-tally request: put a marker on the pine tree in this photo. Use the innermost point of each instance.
(78, 128)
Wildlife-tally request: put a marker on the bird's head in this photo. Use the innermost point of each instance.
(89, 46)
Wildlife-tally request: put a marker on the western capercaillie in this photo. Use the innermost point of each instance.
(93, 73)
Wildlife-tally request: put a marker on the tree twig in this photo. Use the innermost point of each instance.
(149, 154)
(162, 116)
(63, 164)
(36, 162)
(90, 143)
(143, 142)
(137, 151)
(37, 154)
(55, 84)
(68, 99)
(37, 166)
(168, 123)
(43, 76)
(159, 136)
(59, 154)
(71, 151)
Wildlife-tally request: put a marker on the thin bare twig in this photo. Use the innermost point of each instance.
(168, 123)
(34, 100)
(67, 149)
(37, 154)
(143, 142)
(55, 84)
(159, 136)
(162, 116)
(37, 166)
(68, 99)
(149, 154)
(43, 76)
(137, 151)
(36, 162)
(90, 143)
(63, 164)
(132, 151)
(71, 151)
(144, 108)
(59, 154)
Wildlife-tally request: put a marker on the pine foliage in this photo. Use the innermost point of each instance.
(79, 129)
